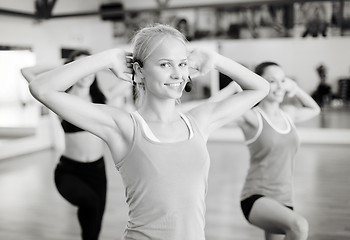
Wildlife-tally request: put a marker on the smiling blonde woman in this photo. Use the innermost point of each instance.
(160, 152)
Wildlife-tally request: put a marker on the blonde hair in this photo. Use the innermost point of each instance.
(146, 40)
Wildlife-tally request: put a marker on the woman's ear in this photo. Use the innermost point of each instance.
(137, 68)
(137, 71)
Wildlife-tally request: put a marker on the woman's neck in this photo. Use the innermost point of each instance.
(159, 111)
(270, 108)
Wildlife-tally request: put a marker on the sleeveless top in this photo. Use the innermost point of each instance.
(70, 128)
(165, 185)
(272, 153)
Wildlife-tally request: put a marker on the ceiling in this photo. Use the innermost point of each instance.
(47, 9)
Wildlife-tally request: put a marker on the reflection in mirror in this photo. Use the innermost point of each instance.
(18, 109)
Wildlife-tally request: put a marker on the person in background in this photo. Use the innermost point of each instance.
(271, 137)
(80, 175)
(323, 93)
(183, 26)
(160, 152)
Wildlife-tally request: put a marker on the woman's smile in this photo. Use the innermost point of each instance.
(174, 84)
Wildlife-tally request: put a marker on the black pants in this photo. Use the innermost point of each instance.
(84, 185)
(247, 204)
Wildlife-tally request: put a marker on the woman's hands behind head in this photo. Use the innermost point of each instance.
(201, 61)
(290, 87)
(120, 63)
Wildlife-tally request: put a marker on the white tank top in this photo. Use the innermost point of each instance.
(165, 185)
(272, 153)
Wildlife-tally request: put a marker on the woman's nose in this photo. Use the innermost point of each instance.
(176, 73)
(279, 85)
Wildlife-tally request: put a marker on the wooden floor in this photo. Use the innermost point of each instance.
(32, 209)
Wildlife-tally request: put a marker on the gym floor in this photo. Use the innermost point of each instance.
(32, 209)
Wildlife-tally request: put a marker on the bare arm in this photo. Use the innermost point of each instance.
(49, 87)
(230, 89)
(119, 89)
(212, 115)
(309, 107)
(30, 73)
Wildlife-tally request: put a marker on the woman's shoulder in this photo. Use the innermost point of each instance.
(122, 119)
(250, 118)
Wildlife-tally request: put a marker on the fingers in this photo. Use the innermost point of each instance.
(291, 87)
(129, 59)
(128, 54)
(122, 76)
(194, 72)
(125, 75)
(123, 65)
(129, 65)
(129, 71)
(200, 62)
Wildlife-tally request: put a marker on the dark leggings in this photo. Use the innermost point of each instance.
(84, 185)
(247, 204)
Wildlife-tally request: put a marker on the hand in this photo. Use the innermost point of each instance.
(290, 86)
(121, 63)
(201, 61)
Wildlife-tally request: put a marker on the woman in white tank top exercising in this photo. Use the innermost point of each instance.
(160, 153)
(270, 135)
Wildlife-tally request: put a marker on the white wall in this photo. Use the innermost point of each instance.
(47, 37)
(298, 57)
(46, 40)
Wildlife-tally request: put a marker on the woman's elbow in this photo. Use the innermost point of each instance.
(36, 90)
(25, 75)
(317, 110)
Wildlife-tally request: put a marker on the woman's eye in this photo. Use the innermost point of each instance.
(183, 64)
(165, 65)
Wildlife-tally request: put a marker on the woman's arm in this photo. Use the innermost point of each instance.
(229, 90)
(309, 107)
(30, 73)
(212, 115)
(49, 88)
(118, 90)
